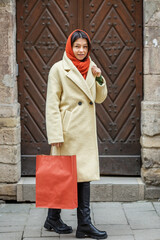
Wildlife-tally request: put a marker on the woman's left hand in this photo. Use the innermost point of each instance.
(96, 71)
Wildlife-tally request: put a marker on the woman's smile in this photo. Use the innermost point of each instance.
(71, 130)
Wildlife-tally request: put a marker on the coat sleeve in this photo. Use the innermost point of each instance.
(101, 91)
(53, 116)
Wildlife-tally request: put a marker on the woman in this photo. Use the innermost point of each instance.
(74, 85)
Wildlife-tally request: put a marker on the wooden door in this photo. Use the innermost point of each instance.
(115, 28)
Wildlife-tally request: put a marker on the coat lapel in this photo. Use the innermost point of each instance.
(73, 74)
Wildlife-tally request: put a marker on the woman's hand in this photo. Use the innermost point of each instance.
(56, 144)
(96, 71)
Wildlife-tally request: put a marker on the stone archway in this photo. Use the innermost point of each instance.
(10, 164)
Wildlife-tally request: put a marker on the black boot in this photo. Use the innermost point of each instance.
(54, 222)
(85, 227)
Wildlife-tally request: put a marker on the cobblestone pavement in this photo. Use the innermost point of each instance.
(122, 221)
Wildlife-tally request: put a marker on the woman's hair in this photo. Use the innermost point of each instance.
(79, 34)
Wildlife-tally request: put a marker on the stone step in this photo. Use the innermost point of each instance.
(108, 189)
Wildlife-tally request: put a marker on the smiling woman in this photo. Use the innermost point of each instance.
(73, 89)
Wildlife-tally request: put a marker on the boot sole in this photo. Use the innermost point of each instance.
(49, 227)
(84, 235)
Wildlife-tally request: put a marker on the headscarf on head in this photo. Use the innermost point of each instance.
(82, 66)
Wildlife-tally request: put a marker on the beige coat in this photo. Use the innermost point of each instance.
(71, 115)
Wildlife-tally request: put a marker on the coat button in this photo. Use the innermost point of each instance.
(79, 103)
(91, 103)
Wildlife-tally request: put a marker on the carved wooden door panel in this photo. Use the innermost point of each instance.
(42, 30)
(116, 32)
(115, 28)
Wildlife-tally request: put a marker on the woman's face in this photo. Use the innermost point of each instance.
(80, 48)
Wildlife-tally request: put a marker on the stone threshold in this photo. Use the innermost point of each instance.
(108, 189)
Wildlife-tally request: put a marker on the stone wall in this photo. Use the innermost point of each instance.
(10, 168)
(150, 121)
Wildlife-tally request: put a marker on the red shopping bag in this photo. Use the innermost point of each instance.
(56, 182)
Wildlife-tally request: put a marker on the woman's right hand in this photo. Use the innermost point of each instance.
(56, 144)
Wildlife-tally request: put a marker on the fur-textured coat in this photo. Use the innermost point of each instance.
(71, 115)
